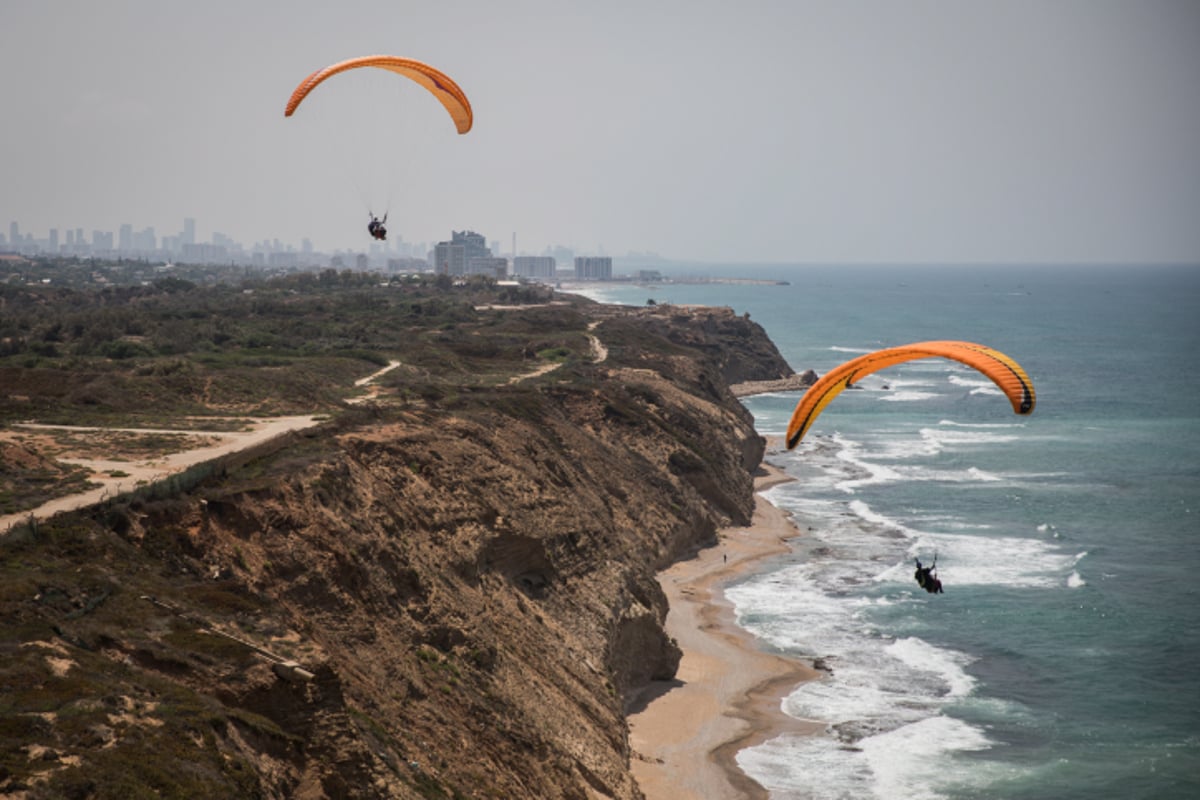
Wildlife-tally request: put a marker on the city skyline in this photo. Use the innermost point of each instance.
(129, 238)
(869, 132)
(183, 247)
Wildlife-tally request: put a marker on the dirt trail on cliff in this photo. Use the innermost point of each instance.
(116, 476)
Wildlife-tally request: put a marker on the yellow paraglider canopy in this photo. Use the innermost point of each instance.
(438, 83)
(1002, 370)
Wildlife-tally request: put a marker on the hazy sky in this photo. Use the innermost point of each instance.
(944, 131)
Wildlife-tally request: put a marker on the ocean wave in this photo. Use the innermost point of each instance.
(960, 380)
(949, 423)
(908, 396)
(1008, 561)
(958, 437)
(884, 697)
(945, 664)
(966, 559)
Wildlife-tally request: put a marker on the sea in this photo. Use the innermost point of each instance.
(1063, 658)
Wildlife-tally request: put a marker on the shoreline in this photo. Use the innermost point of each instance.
(685, 733)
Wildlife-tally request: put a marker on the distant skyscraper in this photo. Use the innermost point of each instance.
(455, 256)
(14, 233)
(145, 240)
(54, 240)
(493, 266)
(189, 231)
(593, 268)
(535, 266)
(449, 258)
(125, 237)
(474, 243)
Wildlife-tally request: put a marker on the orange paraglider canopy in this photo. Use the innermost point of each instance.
(438, 83)
(1002, 370)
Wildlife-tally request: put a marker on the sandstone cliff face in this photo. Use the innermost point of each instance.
(471, 581)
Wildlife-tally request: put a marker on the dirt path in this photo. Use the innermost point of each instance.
(599, 351)
(599, 355)
(133, 473)
(369, 382)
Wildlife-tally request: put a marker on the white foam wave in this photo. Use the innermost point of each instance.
(941, 438)
(908, 396)
(859, 350)
(864, 512)
(899, 760)
(967, 560)
(952, 424)
(788, 395)
(968, 382)
(849, 599)
(945, 664)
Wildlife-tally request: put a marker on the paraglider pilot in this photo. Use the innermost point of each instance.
(927, 578)
(376, 229)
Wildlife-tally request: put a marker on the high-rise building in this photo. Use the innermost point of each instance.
(189, 231)
(14, 233)
(54, 240)
(456, 256)
(535, 267)
(449, 259)
(494, 266)
(125, 237)
(144, 240)
(475, 244)
(593, 268)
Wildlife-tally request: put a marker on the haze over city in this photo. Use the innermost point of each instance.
(959, 132)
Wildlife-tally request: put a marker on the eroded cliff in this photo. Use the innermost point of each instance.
(470, 579)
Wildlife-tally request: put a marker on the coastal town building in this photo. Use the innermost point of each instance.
(449, 258)
(492, 266)
(466, 253)
(535, 267)
(593, 268)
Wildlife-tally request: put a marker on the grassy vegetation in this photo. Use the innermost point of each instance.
(127, 356)
(103, 694)
(172, 354)
(23, 488)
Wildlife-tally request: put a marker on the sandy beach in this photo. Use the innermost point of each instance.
(686, 733)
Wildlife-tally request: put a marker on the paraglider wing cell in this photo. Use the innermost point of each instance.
(1002, 370)
(436, 82)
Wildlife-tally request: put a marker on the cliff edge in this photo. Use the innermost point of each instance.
(445, 592)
